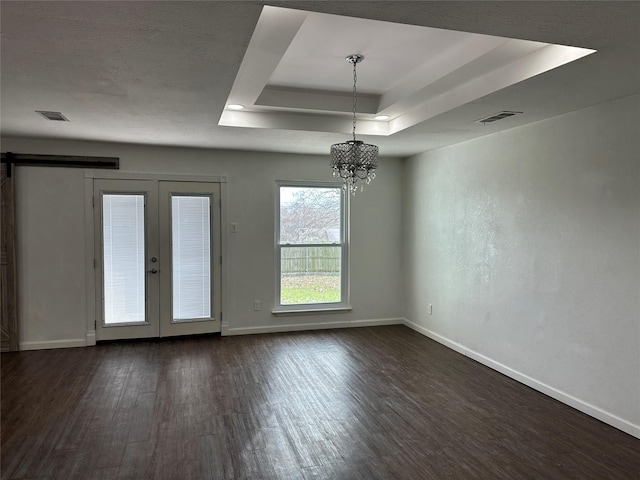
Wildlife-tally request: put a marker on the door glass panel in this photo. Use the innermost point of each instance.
(191, 257)
(123, 258)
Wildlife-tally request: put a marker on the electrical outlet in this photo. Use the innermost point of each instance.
(257, 305)
(430, 309)
(234, 228)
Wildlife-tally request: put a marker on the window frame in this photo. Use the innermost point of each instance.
(327, 307)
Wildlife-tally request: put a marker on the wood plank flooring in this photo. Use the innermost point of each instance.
(364, 403)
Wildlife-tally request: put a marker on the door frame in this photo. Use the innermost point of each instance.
(90, 250)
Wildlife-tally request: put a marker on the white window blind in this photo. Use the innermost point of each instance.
(191, 257)
(123, 257)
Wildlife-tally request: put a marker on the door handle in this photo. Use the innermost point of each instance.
(153, 270)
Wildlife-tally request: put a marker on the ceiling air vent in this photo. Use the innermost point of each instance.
(54, 116)
(497, 116)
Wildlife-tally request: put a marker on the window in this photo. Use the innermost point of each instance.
(311, 244)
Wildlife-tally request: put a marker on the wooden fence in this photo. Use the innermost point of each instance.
(310, 261)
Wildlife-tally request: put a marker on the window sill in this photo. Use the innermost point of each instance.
(311, 311)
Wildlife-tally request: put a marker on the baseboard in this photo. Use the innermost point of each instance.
(297, 327)
(90, 339)
(559, 395)
(67, 343)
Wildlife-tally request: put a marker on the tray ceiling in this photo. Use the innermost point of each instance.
(294, 73)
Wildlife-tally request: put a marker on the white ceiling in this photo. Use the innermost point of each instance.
(162, 72)
(294, 75)
(315, 57)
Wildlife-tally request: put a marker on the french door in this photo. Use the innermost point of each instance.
(158, 255)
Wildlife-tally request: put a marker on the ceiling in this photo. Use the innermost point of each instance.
(162, 73)
(293, 75)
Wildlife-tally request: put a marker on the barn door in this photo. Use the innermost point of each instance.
(8, 294)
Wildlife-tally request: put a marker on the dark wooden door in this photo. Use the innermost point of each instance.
(8, 297)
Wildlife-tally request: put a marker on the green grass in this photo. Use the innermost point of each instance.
(310, 289)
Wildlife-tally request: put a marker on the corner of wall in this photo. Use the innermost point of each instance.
(578, 404)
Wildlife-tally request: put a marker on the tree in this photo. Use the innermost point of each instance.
(310, 215)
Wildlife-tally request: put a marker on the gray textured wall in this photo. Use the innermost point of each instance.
(527, 243)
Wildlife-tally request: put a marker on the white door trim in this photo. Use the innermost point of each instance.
(106, 174)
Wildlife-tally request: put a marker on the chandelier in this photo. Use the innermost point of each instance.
(354, 161)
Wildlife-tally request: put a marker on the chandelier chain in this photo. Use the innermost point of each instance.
(355, 99)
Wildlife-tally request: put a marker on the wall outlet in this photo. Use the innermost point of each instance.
(430, 309)
(257, 305)
(234, 227)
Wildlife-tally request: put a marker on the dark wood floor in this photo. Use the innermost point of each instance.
(365, 403)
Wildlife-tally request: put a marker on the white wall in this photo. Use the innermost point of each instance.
(51, 230)
(527, 243)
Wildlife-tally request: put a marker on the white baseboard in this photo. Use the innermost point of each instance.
(297, 327)
(90, 339)
(559, 395)
(67, 343)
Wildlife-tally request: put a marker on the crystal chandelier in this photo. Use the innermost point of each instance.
(354, 161)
